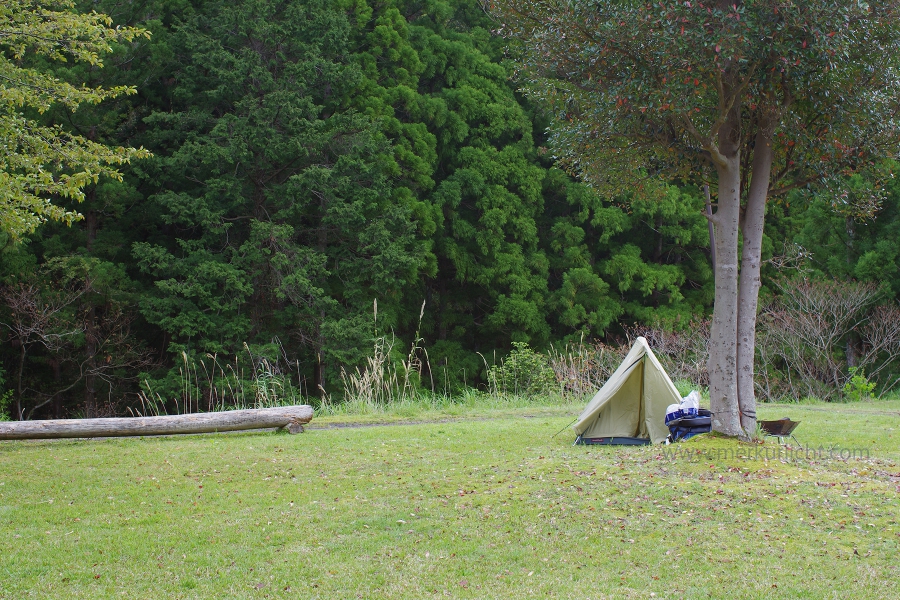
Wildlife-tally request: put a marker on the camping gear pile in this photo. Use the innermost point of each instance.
(632, 406)
(688, 407)
(640, 405)
(686, 419)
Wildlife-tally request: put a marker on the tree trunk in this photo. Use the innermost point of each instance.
(723, 333)
(852, 349)
(751, 258)
(319, 373)
(90, 350)
(57, 379)
(712, 231)
(319, 376)
(19, 388)
(657, 254)
(290, 417)
(90, 331)
(320, 335)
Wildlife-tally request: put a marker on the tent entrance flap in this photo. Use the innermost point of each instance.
(633, 401)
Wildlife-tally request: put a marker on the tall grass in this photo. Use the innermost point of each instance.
(210, 383)
(425, 402)
(384, 380)
(405, 385)
(582, 369)
(394, 382)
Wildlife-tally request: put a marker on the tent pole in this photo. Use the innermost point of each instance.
(642, 415)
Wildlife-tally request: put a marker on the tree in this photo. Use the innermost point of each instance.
(525, 253)
(310, 157)
(42, 163)
(284, 208)
(771, 95)
(35, 319)
(72, 316)
(844, 245)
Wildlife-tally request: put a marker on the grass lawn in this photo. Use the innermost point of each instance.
(484, 505)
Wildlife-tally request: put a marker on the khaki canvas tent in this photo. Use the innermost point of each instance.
(630, 408)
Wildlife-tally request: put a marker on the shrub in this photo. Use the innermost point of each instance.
(858, 387)
(6, 397)
(817, 336)
(523, 372)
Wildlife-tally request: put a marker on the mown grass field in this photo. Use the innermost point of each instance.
(484, 505)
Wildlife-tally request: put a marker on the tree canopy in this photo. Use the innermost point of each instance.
(42, 162)
(769, 95)
(312, 157)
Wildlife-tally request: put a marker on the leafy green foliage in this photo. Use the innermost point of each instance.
(43, 162)
(279, 194)
(311, 157)
(642, 89)
(6, 396)
(522, 373)
(839, 245)
(858, 387)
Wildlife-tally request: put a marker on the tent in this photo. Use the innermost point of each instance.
(630, 408)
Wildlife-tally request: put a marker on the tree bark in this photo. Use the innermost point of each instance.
(723, 333)
(320, 335)
(751, 259)
(90, 350)
(712, 231)
(319, 373)
(90, 323)
(291, 418)
(19, 387)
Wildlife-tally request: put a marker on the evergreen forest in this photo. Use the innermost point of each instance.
(336, 179)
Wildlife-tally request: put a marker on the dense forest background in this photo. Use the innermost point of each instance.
(329, 174)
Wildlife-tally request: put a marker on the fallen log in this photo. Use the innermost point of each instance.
(291, 418)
